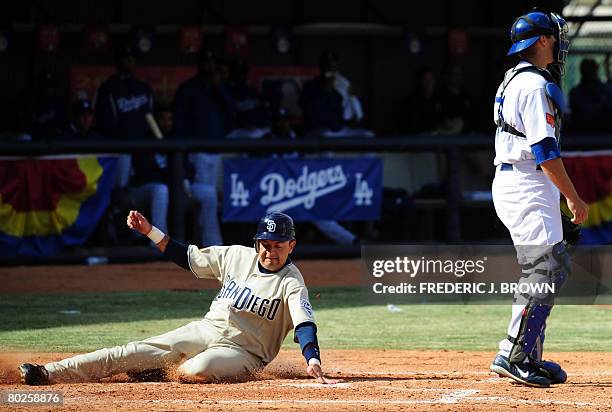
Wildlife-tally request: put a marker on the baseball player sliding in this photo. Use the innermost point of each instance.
(262, 298)
(529, 176)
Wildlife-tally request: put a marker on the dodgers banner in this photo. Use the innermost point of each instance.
(306, 189)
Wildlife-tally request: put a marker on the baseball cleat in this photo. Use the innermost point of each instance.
(522, 373)
(34, 374)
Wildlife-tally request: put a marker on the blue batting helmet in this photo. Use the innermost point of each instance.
(275, 226)
(528, 28)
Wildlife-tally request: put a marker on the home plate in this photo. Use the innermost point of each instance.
(317, 385)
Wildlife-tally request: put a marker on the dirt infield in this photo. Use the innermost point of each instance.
(371, 379)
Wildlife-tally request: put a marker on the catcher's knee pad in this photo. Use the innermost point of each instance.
(560, 266)
(545, 276)
(562, 257)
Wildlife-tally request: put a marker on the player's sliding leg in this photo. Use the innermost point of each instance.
(158, 352)
(91, 367)
(219, 363)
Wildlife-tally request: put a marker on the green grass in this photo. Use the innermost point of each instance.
(33, 322)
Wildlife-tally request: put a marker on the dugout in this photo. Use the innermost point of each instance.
(373, 40)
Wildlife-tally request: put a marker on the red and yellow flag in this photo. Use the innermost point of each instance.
(591, 173)
(47, 203)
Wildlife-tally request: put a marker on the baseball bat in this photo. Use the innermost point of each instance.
(153, 126)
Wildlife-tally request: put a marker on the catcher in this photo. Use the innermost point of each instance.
(262, 297)
(529, 178)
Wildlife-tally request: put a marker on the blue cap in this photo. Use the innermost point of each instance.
(527, 29)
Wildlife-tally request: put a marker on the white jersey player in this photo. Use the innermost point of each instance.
(263, 297)
(529, 178)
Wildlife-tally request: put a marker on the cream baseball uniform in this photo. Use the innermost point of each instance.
(525, 200)
(242, 332)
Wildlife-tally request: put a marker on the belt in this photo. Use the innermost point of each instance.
(508, 166)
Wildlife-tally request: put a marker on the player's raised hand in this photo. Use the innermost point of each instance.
(136, 221)
(316, 372)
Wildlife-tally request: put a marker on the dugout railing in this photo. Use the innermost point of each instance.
(451, 146)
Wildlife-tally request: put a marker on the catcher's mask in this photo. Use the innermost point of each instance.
(528, 28)
(275, 226)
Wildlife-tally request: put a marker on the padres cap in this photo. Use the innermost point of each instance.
(275, 226)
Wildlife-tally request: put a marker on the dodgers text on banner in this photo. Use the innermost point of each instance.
(306, 189)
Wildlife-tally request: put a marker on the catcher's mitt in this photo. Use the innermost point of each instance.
(571, 231)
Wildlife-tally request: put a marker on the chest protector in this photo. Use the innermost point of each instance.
(553, 92)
